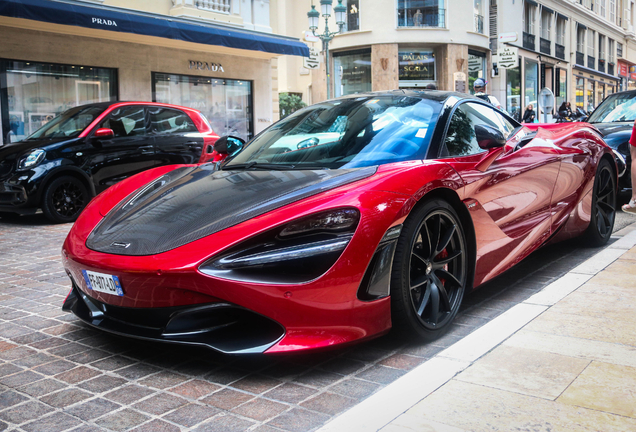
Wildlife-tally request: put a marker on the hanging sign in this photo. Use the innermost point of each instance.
(508, 57)
(313, 61)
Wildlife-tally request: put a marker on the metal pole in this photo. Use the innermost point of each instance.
(327, 66)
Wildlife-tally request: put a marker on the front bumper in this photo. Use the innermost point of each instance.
(221, 326)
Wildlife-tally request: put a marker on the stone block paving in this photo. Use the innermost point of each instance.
(57, 374)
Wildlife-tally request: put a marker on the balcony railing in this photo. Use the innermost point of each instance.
(528, 41)
(580, 58)
(479, 23)
(434, 18)
(601, 65)
(591, 62)
(222, 6)
(545, 46)
(559, 51)
(610, 68)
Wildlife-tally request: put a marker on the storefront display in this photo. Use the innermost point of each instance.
(476, 68)
(416, 68)
(352, 72)
(226, 103)
(33, 93)
(513, 92)
(531, 84)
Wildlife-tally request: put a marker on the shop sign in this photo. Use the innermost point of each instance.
(309, 36)
(212, 67)
(508, 37)
(417, 66)
(311, 62)
(508, 57)
(622, 69)
(106, 22)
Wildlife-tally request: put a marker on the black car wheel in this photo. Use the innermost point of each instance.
(64, 199)
(429, 272)
(603, 205)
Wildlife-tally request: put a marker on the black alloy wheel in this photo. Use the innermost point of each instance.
(64, 199)
(430, 271)
(603, 211)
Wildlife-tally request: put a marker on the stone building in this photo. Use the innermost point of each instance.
(215, 55)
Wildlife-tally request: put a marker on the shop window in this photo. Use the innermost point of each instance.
(353, 15)
(600, 92)
(476, 68)
(513, 92)
(416, 68)
(562, 87)
(531, 82)
(352, 72)
(226, 103)
(420, 13)
(34, 93)
(589, 94)
(580, 88)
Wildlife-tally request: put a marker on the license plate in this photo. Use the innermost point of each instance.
(102, 282)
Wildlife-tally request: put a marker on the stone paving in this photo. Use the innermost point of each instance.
(57, 374)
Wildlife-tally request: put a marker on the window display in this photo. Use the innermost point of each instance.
(531, 82)
(352, 72)
(476, 68)
(33, 93)
(227, 103)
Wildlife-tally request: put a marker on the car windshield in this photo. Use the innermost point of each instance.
(345, 133)
(69, 124)
(619, 107)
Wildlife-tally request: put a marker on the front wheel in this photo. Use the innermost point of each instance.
(603, 205)
(64, 199)
(430, 271)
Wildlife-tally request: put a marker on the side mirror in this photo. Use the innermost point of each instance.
(104, 133)
(489, 137)
(229, 145)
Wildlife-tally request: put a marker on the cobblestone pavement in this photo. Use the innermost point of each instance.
(57, 374)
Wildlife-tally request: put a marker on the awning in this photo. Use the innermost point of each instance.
(108, 18)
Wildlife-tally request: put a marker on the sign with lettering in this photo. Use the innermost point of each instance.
(205, 66)
(417, 65)
(508, 57)
(106, 22)
(508, 37)
(313, 61)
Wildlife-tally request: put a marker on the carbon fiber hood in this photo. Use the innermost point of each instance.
(193, 202)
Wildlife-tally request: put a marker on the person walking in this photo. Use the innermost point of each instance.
(480, 91)
(529, 114)
(630, 207)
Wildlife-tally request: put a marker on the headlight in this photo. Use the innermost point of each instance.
(30, 160)
(297, 252)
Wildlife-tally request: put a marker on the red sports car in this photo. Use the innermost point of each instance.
(337, 223)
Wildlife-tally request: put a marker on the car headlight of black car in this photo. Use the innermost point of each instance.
(31, 159)
(296, 252)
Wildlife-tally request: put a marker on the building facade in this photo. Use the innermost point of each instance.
(215, 55)
(580, 49)
(387, 45)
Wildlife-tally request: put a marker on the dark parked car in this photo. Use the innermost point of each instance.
(614, 117)
(88, 148)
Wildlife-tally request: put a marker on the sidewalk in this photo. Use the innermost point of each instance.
(563, 360)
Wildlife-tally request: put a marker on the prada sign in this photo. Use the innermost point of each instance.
(212, 67)
(105, 22)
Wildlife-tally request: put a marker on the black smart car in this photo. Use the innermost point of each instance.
(88, 148)
(614, 117)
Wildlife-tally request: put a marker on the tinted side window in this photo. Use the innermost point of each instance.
(460, 137)
(126, 121)
(167, 121)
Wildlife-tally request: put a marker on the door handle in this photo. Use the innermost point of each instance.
(148, 149)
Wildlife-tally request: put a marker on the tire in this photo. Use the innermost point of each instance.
(603, 212)
(64, 199)
(428, 283)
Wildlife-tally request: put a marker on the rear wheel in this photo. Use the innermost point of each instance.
(64, 199)
(429, 272)
(603, 205)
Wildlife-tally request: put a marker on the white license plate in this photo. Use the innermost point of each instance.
(103, 282)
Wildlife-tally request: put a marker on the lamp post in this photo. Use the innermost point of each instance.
(325, 10)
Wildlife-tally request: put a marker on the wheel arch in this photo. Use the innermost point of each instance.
(453, 199)
(70, 171)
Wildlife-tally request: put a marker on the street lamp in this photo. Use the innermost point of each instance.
(325, 10)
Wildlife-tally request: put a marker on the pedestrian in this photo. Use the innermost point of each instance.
(630, 207)
(529, 114)
(480, 91)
